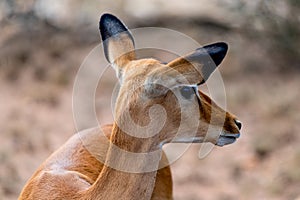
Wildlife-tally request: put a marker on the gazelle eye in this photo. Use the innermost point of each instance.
(187, 92)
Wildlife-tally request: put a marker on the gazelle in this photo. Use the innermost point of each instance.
(161, 97)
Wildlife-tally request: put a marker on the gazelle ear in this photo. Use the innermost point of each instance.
(118, 42)
(198, 66)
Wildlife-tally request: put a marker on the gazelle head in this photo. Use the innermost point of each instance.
(162, 101)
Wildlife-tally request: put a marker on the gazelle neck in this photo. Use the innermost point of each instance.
(130, 168)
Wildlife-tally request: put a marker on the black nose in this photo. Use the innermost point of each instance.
(238, 123)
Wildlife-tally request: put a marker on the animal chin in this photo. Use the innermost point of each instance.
(227, 138)
(188, 140)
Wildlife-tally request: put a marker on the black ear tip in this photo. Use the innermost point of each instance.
(217, 51)
(222, 45)
(218, 47)
(110, 25)
(106, 18)
(107, 15)
(223, 48)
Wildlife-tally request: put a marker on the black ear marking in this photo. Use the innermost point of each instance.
(217, 51)
(110, 25)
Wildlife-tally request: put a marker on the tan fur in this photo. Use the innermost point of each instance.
(72, 169)
(75, 171)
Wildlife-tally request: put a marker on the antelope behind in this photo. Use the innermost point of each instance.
(157, 104)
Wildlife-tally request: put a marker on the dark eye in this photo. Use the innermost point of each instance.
(187, 92)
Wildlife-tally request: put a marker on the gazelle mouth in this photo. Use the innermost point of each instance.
(224, 139)
(227, 138)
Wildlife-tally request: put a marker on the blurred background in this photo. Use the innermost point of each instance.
(43, 43)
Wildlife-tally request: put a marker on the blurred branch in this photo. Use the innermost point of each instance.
(275, 25)
(173, 21)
